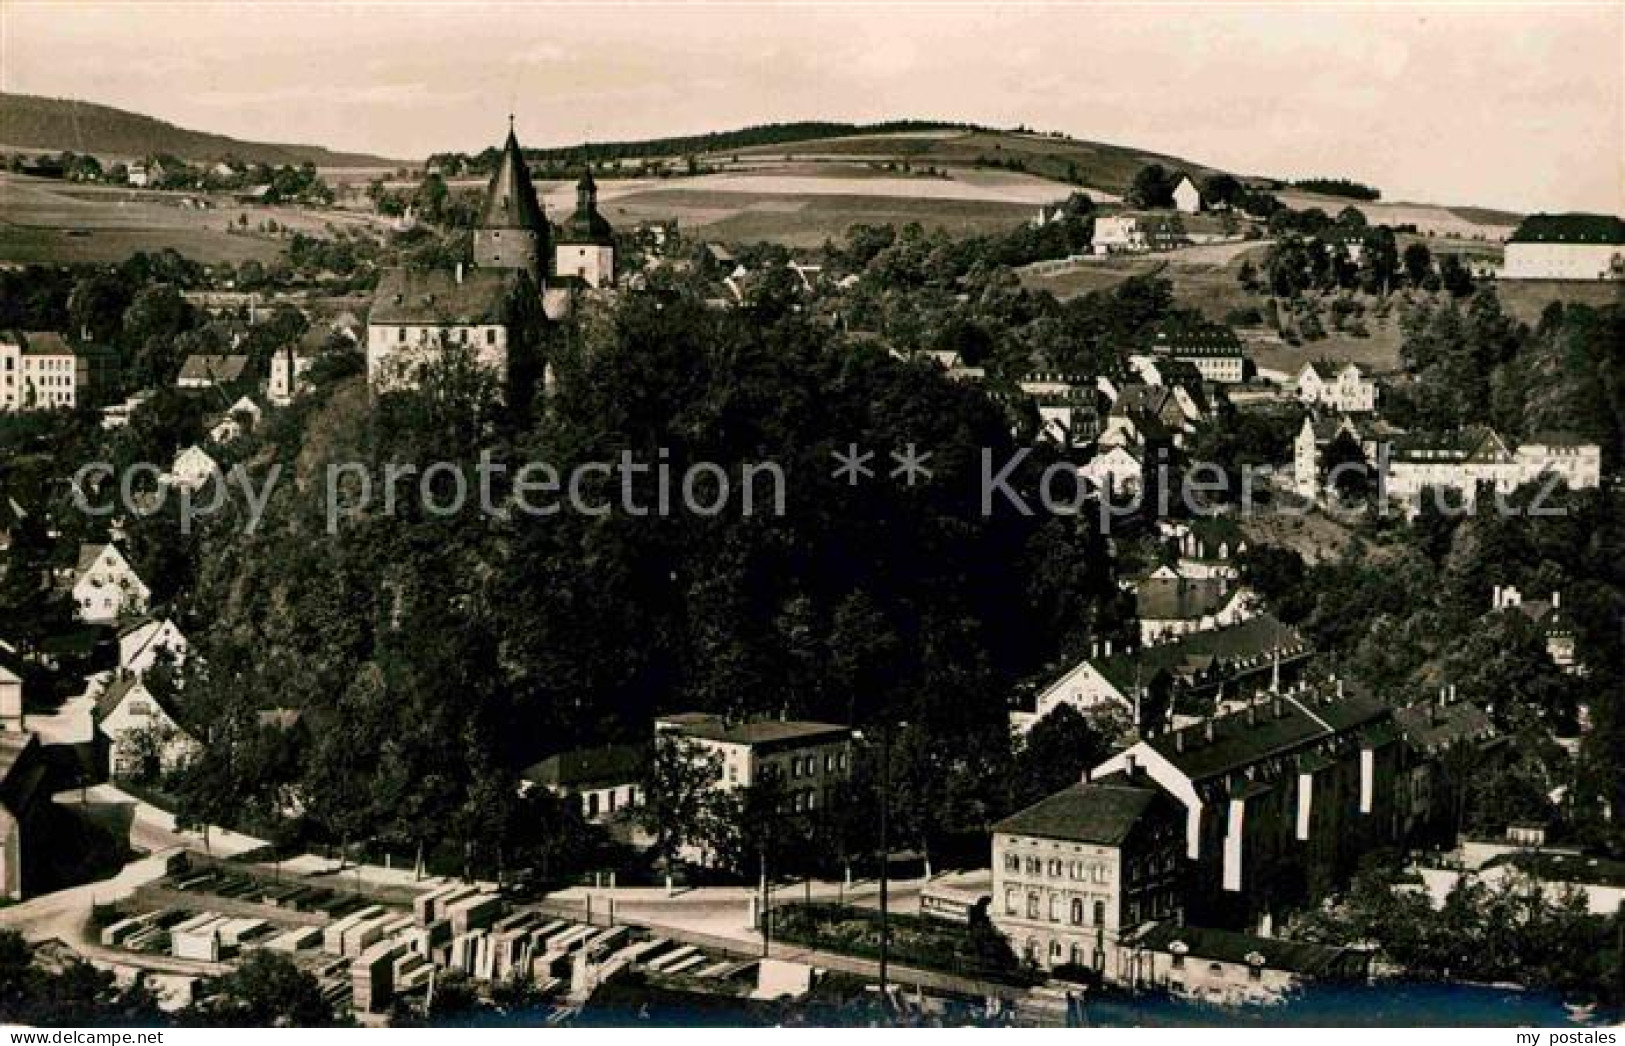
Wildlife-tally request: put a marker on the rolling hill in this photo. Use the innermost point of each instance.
(33, 123)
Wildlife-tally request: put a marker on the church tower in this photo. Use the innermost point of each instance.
(586, 243)
(513, 231)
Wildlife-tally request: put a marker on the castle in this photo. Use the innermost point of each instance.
(519, 275)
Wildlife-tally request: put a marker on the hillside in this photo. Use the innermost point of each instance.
(1093, 164)
(54, 124)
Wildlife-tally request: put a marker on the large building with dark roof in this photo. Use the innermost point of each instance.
(1228, 820)
(1566, 247)
(1075, 871)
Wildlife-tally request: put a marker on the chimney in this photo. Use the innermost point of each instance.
(1131, 763)
(1207, 731)
(1278, 708)
(1179, 740)
(459, 272)
(1557, 599)
(1108, 648)
(1495, 598)
(1339, 688)
(1452, 693)
(1252, 714)
(1094, 649)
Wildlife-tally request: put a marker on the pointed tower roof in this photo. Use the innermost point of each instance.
(510, 199)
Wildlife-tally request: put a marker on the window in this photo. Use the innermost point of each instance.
(1255, 973)
(490, 336)
(1055, 951)
(1100, 913)
(1054, 868)
(400, 334)
(1055, 908)
(1179, 960)
(1012, 863)
(1032, 904)
(1077, 912)
(1076, 870)
(1077, 955)
(1010, 902)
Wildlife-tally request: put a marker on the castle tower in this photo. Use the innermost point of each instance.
(513, 231)
(586, 244)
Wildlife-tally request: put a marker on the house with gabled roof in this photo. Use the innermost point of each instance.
(104, 587)
(1179, 677)
(239, 418)
(142, 643)
(605, 781)
(212, 371)
(1340, 387)
(1187, 197)
(192, 468)
(138, 731)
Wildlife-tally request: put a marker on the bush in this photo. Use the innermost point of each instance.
(977, 950)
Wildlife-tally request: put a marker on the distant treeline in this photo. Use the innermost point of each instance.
(1338, 187)
(714, 142)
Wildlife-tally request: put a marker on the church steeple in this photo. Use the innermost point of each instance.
(513, 229)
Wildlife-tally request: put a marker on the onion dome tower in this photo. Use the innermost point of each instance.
(513, 230)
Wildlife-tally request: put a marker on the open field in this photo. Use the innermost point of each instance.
(1379, 353)
(1109, 168)
(1526, 299)
(1204, 277)
(1440, 220)
(50, 221)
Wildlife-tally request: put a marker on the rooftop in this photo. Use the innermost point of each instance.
(711, 727)
(1432, 725)
(1098, 812)
(510, 197)
(1253, 643)
(590, 767)
(436, 297)
(219, 370)
(1274, 726)
(1565, 867)
(1274, 953)
(1570, 228)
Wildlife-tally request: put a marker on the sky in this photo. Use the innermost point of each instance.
(1520, 106)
